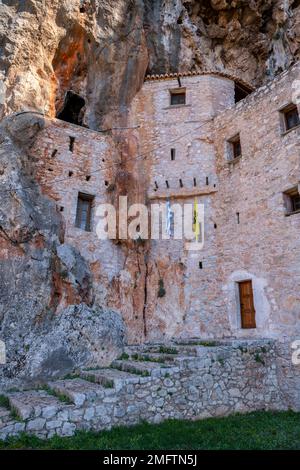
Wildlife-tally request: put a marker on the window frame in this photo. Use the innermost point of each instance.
(84, 197)
(288, 198)
(175, 92)
(284, 111)
(230, 147)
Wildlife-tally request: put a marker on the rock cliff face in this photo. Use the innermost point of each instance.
(41, 276)
(88, 59)
(101, 49)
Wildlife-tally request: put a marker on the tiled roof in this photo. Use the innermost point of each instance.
(170, 76)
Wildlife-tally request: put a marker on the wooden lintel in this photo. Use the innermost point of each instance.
(182, 193)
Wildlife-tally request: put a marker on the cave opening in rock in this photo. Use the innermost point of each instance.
(72, 110)
(240, 92)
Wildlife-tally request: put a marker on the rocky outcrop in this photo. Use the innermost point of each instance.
(41, 275)
(101, 49)
(79, 336)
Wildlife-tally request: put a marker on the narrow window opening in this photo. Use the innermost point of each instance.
(84, 211)
(178, 96)
(240, 92)
(181, 183)
(200, 265)
(173, 152)
(70, 174)
(73, 109)
(61, 208)
(156, 185)
(215, 225)
(88, 177)
(290, 117)
(167, 184)
(238, 217)
(207, 181)
(195, 182)
(54, 153)
(106, 183)
(235, 148)
(292, 200)
(71, 144)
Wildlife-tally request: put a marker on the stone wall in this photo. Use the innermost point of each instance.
(191, 292)
(186, 381)
(265, 245)
(201, 297)
(89, 168)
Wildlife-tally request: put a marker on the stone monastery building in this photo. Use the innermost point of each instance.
(206, 136)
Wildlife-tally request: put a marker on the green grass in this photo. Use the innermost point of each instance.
(60, 396)
(167, 350)
(147, 358)
(259, 430)
(4, 402)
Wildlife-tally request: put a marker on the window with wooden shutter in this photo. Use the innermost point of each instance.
(247, 304)
(178, 96)
(290, 117)
(84, 211)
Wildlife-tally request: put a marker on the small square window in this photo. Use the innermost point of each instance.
(84, 211)
(178, 96)
(234, 148)
(292, 200)
(290, 117)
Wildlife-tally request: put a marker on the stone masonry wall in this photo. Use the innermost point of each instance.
(88, 169)
(191, 292)
(201, 297)
(187, 381)
(265, 245)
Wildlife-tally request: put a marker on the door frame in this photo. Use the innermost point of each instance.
(240, 304)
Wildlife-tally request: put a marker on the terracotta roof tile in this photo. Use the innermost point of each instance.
(170, 76)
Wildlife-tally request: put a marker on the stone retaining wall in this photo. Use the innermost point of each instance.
(198, 381)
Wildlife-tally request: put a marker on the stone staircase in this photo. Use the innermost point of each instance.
(152, 382)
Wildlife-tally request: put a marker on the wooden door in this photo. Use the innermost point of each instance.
(247, 305)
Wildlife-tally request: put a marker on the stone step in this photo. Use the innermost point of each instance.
(110, 377)
(144, 368)
(196, 348)
(79, 391)
(11, 428)
(152, 357)
(34, 403)
(5, 415)
(158, 348)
